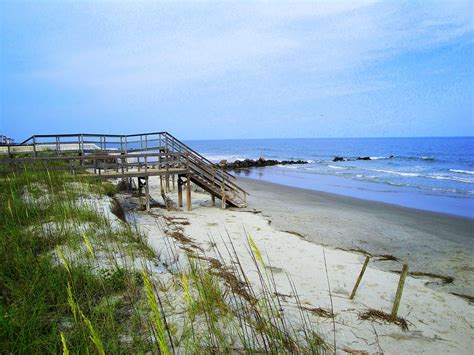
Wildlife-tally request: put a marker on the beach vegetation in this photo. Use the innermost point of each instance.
(74, 278)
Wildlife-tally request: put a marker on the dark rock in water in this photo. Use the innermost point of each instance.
(358, 158)
(260, 162)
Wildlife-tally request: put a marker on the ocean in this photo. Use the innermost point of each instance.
(434, 174)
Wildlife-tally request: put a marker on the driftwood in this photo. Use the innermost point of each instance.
(377, 315)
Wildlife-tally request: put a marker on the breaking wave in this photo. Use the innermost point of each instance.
(462, 171)
(428, 176)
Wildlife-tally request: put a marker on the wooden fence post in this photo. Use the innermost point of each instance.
(359, 279)
(398, 296)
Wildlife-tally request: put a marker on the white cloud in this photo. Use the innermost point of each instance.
(166, 59)
(317, 40)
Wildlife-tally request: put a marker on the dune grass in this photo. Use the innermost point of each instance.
(75, 280)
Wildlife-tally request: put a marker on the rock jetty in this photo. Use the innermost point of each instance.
(260, 162)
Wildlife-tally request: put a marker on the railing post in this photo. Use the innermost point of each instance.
(126, 152)
(223, 192)
(34, 146)
(167, 181)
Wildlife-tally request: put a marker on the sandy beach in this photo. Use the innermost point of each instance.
(437, 321)
(428, 242)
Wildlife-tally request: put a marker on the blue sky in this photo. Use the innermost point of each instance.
(238, 69)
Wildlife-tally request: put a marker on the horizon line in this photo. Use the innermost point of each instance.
(373, 137)
(262, 138)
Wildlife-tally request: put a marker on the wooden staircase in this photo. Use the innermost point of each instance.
(123, 156)
(207, 176)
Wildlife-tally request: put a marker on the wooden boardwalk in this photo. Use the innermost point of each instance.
(125, 157)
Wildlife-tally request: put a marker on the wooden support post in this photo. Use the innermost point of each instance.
(398, 296)
(180, 192)
(359, 279)
(173, 180)
(188, 192)
(223, 201)
(140, 191)
(167, 180)
(147, 192)
(213, 200)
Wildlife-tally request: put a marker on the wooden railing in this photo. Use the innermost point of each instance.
(143, 152)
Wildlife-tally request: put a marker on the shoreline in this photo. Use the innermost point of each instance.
(334, 195)
(429, 242)
(401, 196)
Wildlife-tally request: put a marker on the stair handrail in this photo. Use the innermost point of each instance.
(221, 174)
(195, 153)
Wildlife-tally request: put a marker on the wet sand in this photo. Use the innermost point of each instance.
(428, 242)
